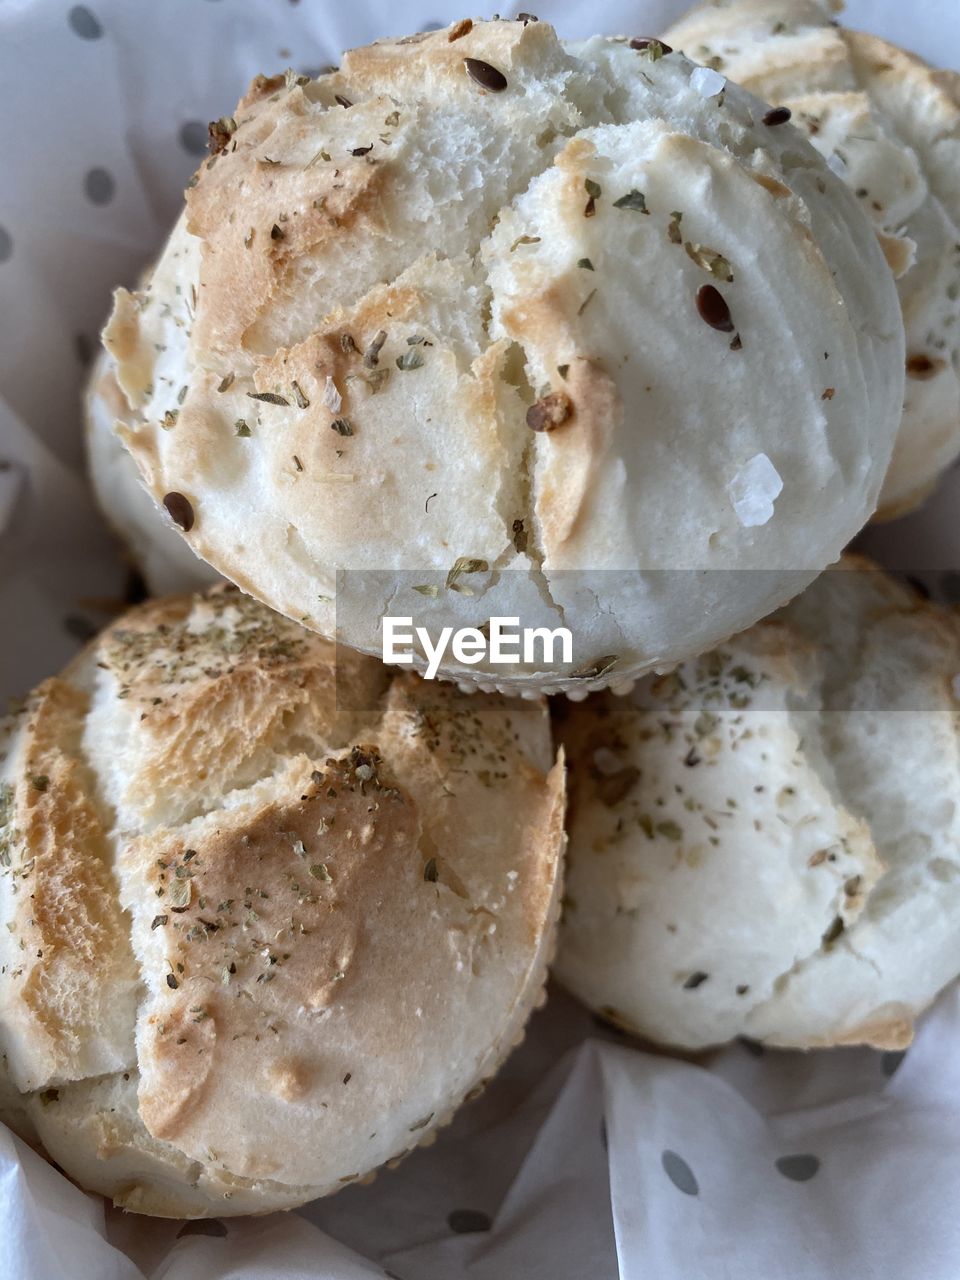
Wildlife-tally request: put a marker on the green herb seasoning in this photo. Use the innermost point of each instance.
(268, 397)
(371, 356)
(650, 47)
(464, 565)
(634, 199)
(710, 261)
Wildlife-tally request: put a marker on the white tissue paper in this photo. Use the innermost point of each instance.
(587, 1157)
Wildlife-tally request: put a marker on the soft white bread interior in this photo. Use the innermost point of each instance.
(889, 125)
(164, 559)
(765, 842)
(388, 278)
(268, 917)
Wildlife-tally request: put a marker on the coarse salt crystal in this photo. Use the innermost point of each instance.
(753, 491)
(707, 82)
(331, 397)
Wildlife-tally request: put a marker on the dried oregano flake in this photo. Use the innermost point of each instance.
(268, 397)
(410, 359)
(714, 263)
(632, 200)
(465, 564)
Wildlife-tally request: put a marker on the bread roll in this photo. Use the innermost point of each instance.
(765, 843)
(889, 125)
(483, 325)
(268, 919)
(163, 558)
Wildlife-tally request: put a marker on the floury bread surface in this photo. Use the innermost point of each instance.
(162, 556)
(507, 328)
(764, 842)
(889, 125)
(266, 921)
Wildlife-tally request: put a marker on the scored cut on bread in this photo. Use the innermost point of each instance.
(764, 842)
(483, 324)
(889, 125)
(269, 917)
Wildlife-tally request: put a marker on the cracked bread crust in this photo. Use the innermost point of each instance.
(763, 843)
(301, 875)
(889, 124)
(385, 269)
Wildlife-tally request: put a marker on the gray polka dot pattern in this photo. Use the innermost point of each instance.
(193, 137)
(680, 1173)
(6, 245)
(464, 1221)
(99, 186)
(798, 1168)
(84, 23)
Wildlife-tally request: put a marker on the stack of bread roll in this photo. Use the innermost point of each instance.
(482, 324)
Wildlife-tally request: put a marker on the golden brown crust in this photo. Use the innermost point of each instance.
(293, 208)
(324, 865)
(431, 58)
(404, 195)
(288, 210)
(68, 933)
(890, 1027)
(242, 964)
(200, 689)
